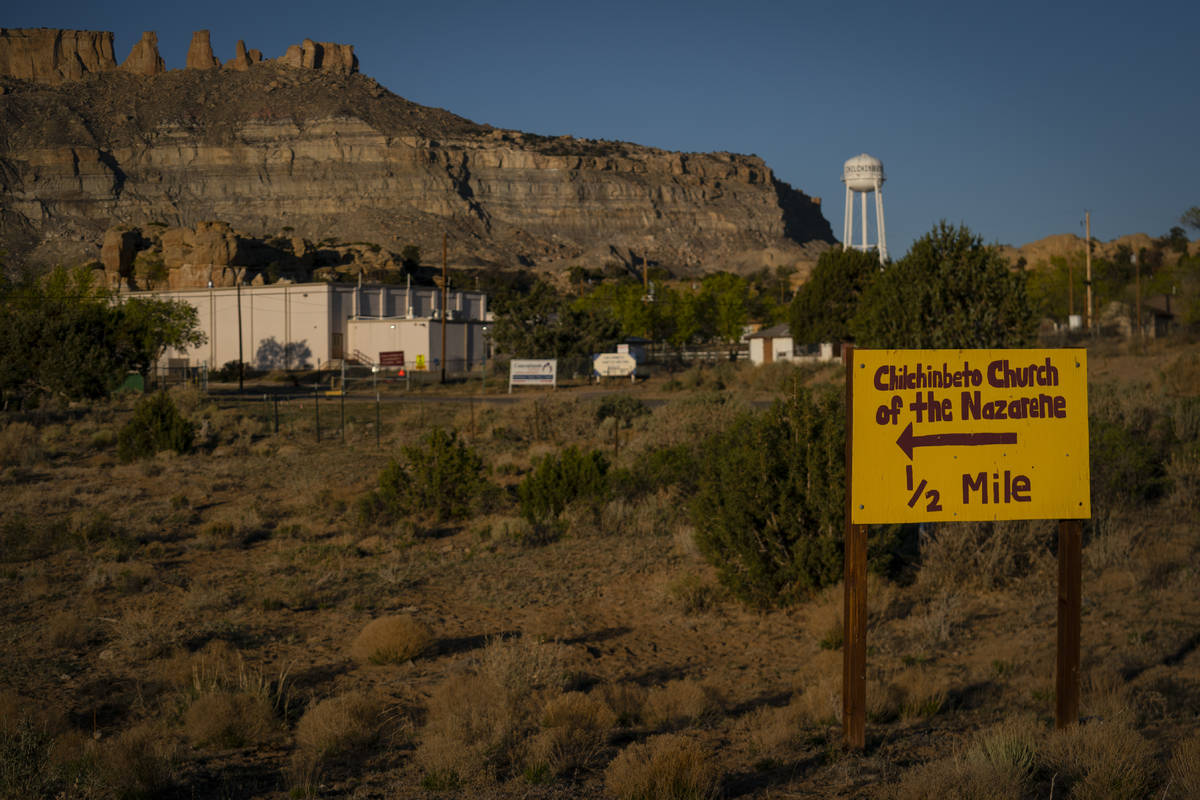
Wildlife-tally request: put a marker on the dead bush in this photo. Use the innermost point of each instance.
(478, 722)
(982, 555)
(998, 764)
(139, 763)
(575, 728)
(338, 726)
(776, 732)
(821, 702)
(626, 700)
(391, 640)
(229, 719)
(681, 703)
(666, 767)
(1102, 761)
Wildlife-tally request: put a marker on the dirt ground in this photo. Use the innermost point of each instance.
(129, 591)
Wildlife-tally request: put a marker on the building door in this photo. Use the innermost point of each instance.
(768, 350)
(336, 348)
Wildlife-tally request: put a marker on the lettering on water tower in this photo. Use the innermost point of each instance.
(955, 435)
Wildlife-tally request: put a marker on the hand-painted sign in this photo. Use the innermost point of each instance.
(532, 372)
(614, 365)
(951, 435)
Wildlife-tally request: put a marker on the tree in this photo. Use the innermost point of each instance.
(64, 335)
(826, 303)
(949, 291)
(724, 298)
(1191, 217)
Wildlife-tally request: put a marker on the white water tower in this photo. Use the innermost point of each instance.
(863, 174)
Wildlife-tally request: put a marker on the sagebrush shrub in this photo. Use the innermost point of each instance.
(229, 719)
(770, 504)
(156, 425)
(443, 478)
(557, 481)
(341, 725)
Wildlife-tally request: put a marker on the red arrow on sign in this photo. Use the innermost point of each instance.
(907, 441)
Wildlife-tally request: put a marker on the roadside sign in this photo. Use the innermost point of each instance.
(614, 365)
(391, 358)
(954, 435)
(532, 372)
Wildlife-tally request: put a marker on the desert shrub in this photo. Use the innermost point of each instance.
(621, 407)
(626, 700)
(156, 425)
(770, 504)
(982, 555)
(1102, 761)
(556, 481)
(479, 722)
(139, 763)
(1183, 472)
(339, 726)
(20, 445)
(574, 733)
(658, 468)
(391, 640)
(22, 538)
(666, 767)
(998, 764)
(775, 731)
(1127, 466)
(692, 593)
(229, 719)
(443, 478)
(681, 703)
(37, 757)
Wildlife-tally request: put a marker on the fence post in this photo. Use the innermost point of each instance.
(317, 410)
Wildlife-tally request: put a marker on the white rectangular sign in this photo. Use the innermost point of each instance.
(532, 372)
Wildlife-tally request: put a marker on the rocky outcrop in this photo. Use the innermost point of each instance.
(48, 55)
(242, 59)
(337, 58)
(200, 54)
(117, 253)
(144, 58)
(313, 154)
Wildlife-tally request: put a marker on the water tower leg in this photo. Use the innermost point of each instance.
(864, 220)
(879, 228)
(848, 227)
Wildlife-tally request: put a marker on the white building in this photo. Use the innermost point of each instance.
(308, 325)
(776, 344)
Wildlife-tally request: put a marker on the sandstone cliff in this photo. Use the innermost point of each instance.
(47, 55)
(325, 153)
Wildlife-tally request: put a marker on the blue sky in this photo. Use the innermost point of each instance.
(1011, 118)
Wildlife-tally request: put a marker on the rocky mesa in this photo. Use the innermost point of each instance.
(306, 146)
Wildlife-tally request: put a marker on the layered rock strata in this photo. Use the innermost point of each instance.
(322, 155)
(47, 55)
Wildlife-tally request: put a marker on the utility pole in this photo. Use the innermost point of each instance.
(1137, 284)
(241, 361)
(1087, 221)
(445, 287)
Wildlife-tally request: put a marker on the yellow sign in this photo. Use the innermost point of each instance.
(953, 435)
(420, 362)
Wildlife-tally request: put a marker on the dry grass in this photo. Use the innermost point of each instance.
(1185, 769)
(338, 726)
(574, 733)
(478, 722)
(140, 762)
(391, 640)
(229, 719)
(681, 703)
(666, 767)
(69, 631)
(923, 693)
(693, 594)
(997, 764)
(982, 555)
(626, 700)
(1102, 761)
(20, 445)
(776, 732)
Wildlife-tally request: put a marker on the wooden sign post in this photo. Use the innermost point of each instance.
(959, 436)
